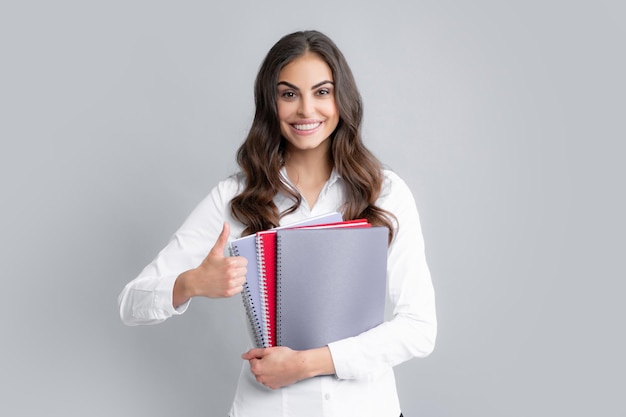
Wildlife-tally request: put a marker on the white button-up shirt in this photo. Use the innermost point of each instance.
(364, 383)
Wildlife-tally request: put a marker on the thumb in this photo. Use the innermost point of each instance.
(256, 353)
(222, 240)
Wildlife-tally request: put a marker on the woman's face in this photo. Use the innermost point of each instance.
(306, 102)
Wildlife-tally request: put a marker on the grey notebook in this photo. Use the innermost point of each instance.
(331, 284)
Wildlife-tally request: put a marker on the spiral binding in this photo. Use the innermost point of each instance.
(278, 291)
(267, 331)
(253, 320)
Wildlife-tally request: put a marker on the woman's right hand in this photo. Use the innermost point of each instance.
(218, 276)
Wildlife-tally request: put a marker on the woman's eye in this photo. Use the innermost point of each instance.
(288, 94)
(325, 92)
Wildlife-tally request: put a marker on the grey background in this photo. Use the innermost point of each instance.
(505, 118)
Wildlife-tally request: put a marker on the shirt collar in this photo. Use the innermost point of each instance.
(334, 176)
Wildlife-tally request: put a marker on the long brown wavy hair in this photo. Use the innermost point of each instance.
(262, 154)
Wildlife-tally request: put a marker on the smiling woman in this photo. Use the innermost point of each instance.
(303, 157)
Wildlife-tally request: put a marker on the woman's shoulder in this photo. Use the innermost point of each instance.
(392, 180)
(390, 175)
(233, 183)
(394, 189)
(226, 189)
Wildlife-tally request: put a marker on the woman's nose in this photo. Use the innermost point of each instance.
(305, 107)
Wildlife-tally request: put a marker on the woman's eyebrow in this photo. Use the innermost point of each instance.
(312, 88)
(321, 84)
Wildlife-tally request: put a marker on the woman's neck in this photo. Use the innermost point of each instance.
(308, 171)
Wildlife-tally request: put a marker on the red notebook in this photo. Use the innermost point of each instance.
(266, 263)
(266, 256)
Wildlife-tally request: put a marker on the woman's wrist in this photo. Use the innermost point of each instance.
(315, 362)
(182, 291)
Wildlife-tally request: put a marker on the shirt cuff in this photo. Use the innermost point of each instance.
(164, 297)
(160, 302)
(340, 352)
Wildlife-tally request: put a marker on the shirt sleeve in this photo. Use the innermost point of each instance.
(148, 298)
(412, 330)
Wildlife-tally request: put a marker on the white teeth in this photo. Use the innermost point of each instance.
(308, 126)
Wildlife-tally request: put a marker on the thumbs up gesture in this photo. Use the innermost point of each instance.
(217, 276)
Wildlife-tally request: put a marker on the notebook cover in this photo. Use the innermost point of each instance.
(344, 223)
(266, 259)
(331, 284)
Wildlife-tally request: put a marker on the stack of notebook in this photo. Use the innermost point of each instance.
(314, 282)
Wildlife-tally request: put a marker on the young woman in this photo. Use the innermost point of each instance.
(303, 157)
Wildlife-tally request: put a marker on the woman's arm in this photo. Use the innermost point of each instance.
(182, 268)
(412, 330)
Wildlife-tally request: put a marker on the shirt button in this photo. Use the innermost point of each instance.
(327, 396)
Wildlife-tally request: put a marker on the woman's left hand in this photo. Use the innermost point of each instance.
(276, 367)
(280, 366)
